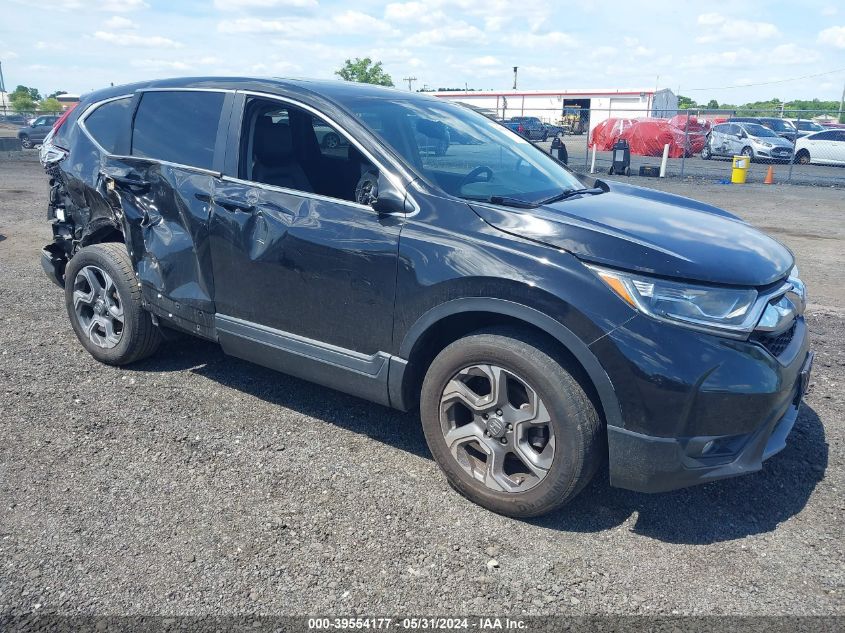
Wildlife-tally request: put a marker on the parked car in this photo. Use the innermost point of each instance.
(748, 139)
(539, 320)
(37, 131)
(804, 127)
(782, 127)
(532, 128)
(821, 148)
(13, 119)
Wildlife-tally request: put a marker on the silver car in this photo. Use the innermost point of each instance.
(747, 139)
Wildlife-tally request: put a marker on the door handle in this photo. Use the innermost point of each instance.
(235, 205)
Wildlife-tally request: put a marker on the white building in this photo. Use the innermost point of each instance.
(549, 105)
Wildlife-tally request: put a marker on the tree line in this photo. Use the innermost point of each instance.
(26, 99)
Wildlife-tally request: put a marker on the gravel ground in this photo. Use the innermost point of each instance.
(193, 483)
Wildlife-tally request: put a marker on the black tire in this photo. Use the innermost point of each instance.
(627, 171)
(577, 426)
(706, 154)
(139, 337)
(331, 140)
(748, 152)
(26, 142)
(803, 157)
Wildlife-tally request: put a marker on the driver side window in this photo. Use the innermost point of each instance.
(285, 146)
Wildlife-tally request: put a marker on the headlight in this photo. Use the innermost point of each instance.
(767, 144)
(727, 311)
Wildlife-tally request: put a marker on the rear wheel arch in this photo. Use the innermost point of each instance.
(450, 321)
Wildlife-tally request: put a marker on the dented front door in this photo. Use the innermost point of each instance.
(311, 266)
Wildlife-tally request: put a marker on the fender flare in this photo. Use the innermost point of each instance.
(578, 348)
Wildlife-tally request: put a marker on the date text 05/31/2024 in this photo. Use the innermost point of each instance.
(431, 623)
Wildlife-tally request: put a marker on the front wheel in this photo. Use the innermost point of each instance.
(104, 305)
(26, 142)
(705, 153)
(510, 426)
(803, 157)
(748, 153)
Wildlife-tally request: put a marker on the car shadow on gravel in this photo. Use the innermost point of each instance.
(710, 513)
(401, 430)
(719, 511)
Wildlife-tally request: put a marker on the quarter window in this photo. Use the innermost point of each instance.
(109, 122)
(178, 127)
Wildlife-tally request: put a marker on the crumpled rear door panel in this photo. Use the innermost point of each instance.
(164, 210)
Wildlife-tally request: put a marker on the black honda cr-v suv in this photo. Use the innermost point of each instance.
(538, 319)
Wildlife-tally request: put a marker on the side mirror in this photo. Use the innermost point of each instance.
(388, 200)
(379, 193)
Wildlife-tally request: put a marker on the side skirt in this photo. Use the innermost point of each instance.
(362, 375)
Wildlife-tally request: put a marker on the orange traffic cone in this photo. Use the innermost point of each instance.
(770, 176)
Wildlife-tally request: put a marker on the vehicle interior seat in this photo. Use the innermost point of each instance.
(274, 160)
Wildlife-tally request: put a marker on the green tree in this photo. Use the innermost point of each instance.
(22, 90)
(364, 71)
(22, 102)
(56, 93)
(50, 104)
(713, 104)
(684, 103)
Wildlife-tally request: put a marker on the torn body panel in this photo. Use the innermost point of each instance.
(163, 211)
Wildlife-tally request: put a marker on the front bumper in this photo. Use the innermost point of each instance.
(697, 407)
(656, 464)
(775, 153)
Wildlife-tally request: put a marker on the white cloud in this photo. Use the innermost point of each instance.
(234, 5)
(552, 39)
(123, 6)
(794, 54)
(119, 23)
(834, 36)
(345, 23)
(724, 59)
(715, 27)
(829, 10)
(455, 34)
(160, 64)
(131, 39)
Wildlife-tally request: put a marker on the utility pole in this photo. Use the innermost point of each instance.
(515, 69)
(410, 81)
(842, 106)
(2, 83)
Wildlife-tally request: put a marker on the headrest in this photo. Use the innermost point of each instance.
(272, 140)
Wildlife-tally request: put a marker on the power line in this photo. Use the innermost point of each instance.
(769, 83)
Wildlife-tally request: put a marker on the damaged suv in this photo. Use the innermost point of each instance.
(540, 320)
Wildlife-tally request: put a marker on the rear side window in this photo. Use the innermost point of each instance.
(178, 127)
(109, 122)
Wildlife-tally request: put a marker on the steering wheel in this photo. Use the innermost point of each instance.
(473, 176)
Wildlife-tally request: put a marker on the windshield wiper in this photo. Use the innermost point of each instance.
(507, 201)
(568, 193)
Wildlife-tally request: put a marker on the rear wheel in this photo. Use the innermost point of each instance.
(26, 142)
(104, 305)
(512, 429)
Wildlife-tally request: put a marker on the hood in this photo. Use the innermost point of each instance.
(638, 229)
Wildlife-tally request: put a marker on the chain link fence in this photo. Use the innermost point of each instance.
(800, 146)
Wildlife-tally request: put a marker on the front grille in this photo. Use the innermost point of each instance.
(776, 344)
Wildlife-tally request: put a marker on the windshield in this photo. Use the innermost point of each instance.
(757, 130)
(462, 152)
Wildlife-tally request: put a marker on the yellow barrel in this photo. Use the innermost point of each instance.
(740, 169)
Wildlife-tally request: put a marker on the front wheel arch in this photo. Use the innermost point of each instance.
(445, 323)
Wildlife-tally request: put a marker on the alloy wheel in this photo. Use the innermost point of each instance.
(26, 142)
(497, 428)
(98, 306)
